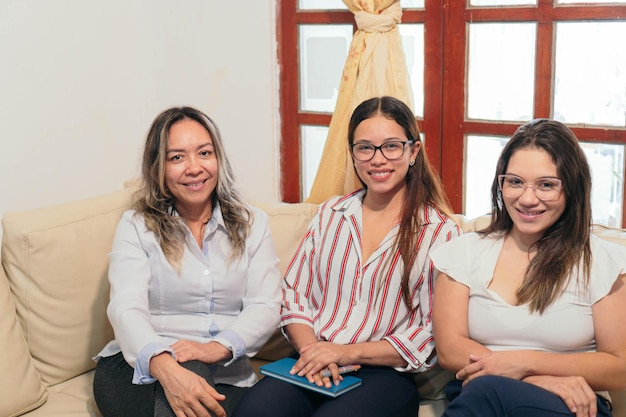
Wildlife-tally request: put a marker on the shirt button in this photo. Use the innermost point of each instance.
(206, 272)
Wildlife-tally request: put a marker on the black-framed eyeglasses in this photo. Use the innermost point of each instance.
(391, 150)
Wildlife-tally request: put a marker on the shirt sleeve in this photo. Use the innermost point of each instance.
(141, 374)
(128, 309)
(454, 258)
(298, 280)
(416, 343)
(260, 313)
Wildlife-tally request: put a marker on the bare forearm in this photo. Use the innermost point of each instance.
(455, 354)
(161, 365)
(601, 370)
(300, 335)
(380, 353)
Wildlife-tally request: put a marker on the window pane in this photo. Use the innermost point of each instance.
(607, 171)
(590, 73)
(412, 4)
(502, 2)
(312, 146)
(480, 167)
(591, 1)
(501, 71)
(321, 5)
(323, 51)
(413, 44)
(340, 5)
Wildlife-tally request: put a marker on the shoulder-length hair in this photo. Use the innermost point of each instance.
(423, 186)
(154, 201)
(567, 242)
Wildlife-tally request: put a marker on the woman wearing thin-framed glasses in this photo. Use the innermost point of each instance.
(529, 312)
(359, 288)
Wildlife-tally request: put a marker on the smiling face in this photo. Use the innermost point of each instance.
(381, 176)
(191, 168)
(531, 216)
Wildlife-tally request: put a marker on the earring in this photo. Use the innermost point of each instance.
(411, 162)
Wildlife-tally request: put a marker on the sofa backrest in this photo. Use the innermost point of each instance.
(56, 261)
(16, 366)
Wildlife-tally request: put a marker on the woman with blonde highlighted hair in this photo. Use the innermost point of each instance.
(195, 287)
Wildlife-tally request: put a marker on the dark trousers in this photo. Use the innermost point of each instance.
(117, 396)
(498, 396)
(384, 393)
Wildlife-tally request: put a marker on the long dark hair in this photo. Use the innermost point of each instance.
(422, 183)
(565, 243)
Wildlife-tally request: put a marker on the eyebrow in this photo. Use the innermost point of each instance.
(384, 140)
(538, 178)
(204, 145)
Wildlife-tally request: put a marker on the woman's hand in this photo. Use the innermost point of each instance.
(502, 363)
(320, 356)
(211, 352)
(573, 390)
(187, 393)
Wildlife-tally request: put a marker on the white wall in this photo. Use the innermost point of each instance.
(81, 81)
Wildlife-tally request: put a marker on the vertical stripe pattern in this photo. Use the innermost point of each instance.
(347, 299)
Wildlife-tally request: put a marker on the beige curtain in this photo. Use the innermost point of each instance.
(375, 66)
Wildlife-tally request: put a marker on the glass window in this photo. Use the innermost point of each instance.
(412, 4)
(312, 146)
(607, 173)
(591, 1)
(478, 69)
(323, 51)
(502, 2)
(321, 5)
(501, 71)
(340, 5)
(590, 81)
(413, 45)
(480, 167)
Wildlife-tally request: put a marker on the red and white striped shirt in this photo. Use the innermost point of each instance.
(328, 285)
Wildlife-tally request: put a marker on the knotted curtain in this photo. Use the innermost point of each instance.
(375, 66)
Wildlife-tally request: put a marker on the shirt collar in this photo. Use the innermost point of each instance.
(216, 220)
(353, 201)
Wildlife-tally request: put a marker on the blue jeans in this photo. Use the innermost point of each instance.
(384, 393)
(498, 396)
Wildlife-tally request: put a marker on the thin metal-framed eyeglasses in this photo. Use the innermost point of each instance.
(391, 150)
(546, 189)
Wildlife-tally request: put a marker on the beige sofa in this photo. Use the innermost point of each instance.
(54, 292)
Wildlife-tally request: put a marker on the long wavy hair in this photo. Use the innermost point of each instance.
(154, 201)
(567, 242)
(423, 185)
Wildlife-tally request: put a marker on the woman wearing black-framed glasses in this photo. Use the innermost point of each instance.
(359, 288)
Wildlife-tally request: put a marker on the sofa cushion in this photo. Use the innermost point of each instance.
(73, 397)
(56, 259)
(16, 367)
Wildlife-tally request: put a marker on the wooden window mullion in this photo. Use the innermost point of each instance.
(432, 124)
(454, 67)
(544, 60)
(287, 35)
